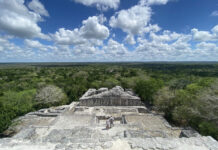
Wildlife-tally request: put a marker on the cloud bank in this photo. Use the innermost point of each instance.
(95, 39)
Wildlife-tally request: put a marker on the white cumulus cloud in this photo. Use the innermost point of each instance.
(130, 39)
(214, 13)
(100, 4)
(201, 35)
(215, 30)
(114, 49)
(207, 46)
(132, 20)
(165, 37)
(37, 7)
(37, 45)
(135, 21)
(68, 37)
(17, 20)
(92, 31)
(154, 2)
(205, 35)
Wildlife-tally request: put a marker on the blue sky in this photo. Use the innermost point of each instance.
(108, 30)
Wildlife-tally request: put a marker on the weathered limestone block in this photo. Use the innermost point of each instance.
(113, 97)
(189, 132)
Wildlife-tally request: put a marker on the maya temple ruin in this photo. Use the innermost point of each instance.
(81, 126)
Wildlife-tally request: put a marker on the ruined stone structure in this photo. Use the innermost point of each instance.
(114, 97)
(80, 126)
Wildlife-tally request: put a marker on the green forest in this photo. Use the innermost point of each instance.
(186, 93)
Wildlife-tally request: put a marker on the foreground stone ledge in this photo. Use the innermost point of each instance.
(203, 143)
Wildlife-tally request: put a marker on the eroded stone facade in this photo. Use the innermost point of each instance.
(113, 97)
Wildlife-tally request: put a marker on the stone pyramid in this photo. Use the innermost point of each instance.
(81, 126)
